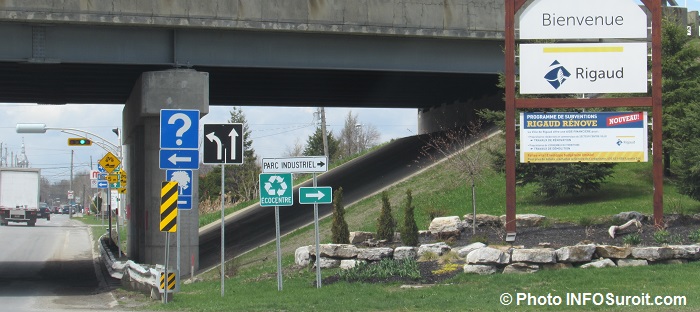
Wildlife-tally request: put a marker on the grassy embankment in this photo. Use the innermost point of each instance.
(439, 191)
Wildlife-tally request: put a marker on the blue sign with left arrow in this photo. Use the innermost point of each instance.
(102, 184)
(179, 159)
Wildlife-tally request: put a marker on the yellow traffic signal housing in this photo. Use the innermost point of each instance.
(79, 142)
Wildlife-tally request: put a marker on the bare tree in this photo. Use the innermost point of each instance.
(295, 150)
(467, 151)
(357, 137)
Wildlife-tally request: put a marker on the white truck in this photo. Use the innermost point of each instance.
(19, 195)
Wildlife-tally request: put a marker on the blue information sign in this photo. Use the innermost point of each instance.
(179, 129)
(184, 182)
(179, 159)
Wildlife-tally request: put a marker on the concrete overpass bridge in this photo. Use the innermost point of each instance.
(439, 56)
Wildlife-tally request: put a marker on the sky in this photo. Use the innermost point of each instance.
(274, 130)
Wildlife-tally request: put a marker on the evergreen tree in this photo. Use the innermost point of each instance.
(339, 229)
(409, 233)
(314, 145)
(386, 225)
(681, 84)
(244, 178)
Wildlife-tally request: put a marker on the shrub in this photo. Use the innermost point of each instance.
(384, 269)
(586, 221)
(662, 237)
(479, 238)
(450, 257)
(447, 268)
(632, 240)
(409, 232)
(386, 225)
(694, 236)
(428, 256)
(340, 234)
(435, 213)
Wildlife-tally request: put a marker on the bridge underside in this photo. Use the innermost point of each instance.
(100, 83)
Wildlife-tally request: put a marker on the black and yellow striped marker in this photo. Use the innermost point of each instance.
(171, 281)
(168, 207)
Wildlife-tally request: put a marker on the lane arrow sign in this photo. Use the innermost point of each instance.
(213, 138)
(233, 135)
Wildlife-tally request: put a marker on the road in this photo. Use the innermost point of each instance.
(50, 267)
(359, 178)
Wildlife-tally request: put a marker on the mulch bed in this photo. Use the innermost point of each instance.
(556, 235)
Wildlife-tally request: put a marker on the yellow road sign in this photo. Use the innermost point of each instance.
(171, 281)
(112, 178)
(122, 175)
(122, 190)
(110, 162)
(168, 207)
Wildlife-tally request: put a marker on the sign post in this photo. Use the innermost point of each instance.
(576, 19)
(307, 195)
(168, 222)
(223, 145)
(276, 190)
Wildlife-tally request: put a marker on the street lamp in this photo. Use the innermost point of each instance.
(42, 128)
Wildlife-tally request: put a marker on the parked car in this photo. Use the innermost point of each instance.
(65, 209)
(44, 211)
(57, 209)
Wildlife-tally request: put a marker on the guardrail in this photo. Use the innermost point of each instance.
(134, 276)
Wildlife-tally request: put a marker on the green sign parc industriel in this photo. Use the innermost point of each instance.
(316, 195)
(276, 189)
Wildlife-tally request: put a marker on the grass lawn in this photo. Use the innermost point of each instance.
(98, 230)
(440, 191)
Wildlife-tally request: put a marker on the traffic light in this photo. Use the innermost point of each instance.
(79, 142)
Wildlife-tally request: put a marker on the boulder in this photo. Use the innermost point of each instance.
(405, 252)
(614, 252)
(445, 227)
(630, 215)
(520, 268)
(631, 262)
(328, 263)
(375, 254)
(349, 263)
(302, 256)
(652, 253)
(578, 253)
(424, 234)
(339, 251)
(672, 261)
(691, 252)
(480, 269)
(437, 248)
(464, 251)
(488, 255)
(525, 220)
(557, 266)
(360, 237)
(599, 264)
(482, 220)
(539, 255)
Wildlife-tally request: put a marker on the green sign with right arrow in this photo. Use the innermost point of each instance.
(316, 195)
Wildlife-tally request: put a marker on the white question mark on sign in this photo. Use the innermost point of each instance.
(185, 126)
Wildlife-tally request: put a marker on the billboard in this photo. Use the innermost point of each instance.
(583, 68)
(561, 137)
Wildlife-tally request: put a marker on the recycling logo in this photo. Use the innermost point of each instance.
(274, 189)
(557, 74)
(275, 186)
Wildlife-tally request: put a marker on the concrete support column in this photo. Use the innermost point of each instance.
(153, 91)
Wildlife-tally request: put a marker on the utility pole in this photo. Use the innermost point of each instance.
(70, 184)
(323, 132)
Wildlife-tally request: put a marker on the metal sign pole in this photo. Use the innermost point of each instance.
(279, 253)
(318, 246)
(177, 262)
(222, 227)
(167, 256)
